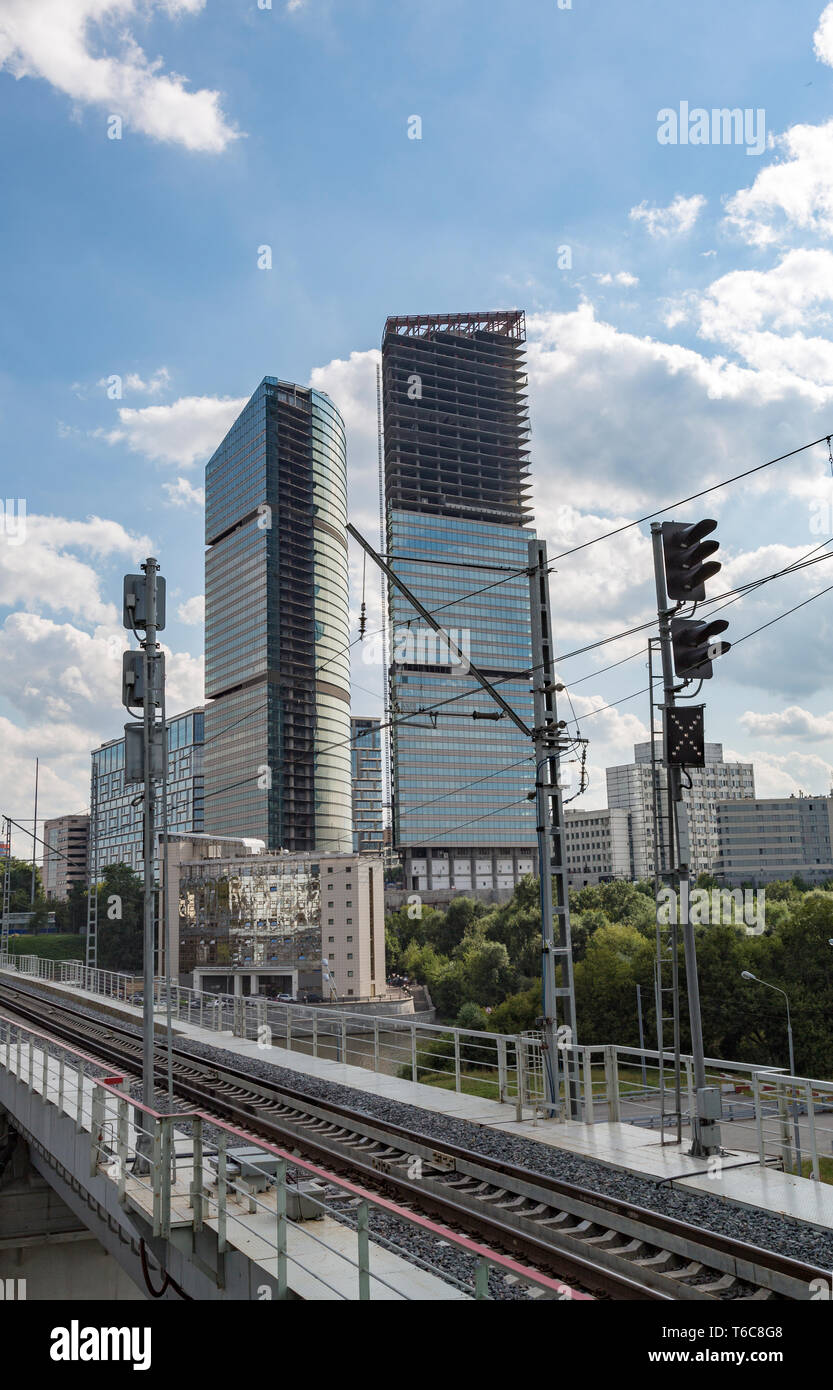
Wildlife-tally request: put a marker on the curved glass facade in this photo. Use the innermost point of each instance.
(277, 670)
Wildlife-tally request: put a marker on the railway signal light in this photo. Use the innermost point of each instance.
(133, 679)
(135, 602)
(685, 744)
(695, 646)
(687, 563)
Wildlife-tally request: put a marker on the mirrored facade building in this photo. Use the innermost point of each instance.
(456, 456)
(276, 624)
(252, 922)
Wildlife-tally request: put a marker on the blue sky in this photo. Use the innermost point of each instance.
(688, 336)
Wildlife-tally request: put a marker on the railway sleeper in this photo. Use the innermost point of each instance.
(689, 1271)
(721, 1285)
(609, 1240)
(662, 1260)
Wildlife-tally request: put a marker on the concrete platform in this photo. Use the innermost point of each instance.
(738, 1178)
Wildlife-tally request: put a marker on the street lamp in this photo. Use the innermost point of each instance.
(747, 975)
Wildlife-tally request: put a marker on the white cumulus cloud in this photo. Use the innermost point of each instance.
(792, 722)
(794, 193)
(675, 220)
(192, 611)
(622, 277)
(51, 568)
(184, 432)
(85, 50)
(182, 493)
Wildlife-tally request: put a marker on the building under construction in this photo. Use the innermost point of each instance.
(457, 508)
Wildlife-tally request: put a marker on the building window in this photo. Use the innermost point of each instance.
(349, 921)
(349, 974)
(350, 953)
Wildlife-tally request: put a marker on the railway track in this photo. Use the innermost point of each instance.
(600, 1243)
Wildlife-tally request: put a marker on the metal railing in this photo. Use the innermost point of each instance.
(493, 1066)
(498, 1067)
(202, 1173)
(113, 984)
(614, 1083)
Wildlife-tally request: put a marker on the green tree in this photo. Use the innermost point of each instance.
(518, 1013)
(120, 937)
(618, 958)
(449, 928)
(20, 886)
(71, 914)
(488, 975)
(473, 1018)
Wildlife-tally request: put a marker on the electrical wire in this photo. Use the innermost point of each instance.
(740, 592)
(732, 594)
(649, 516)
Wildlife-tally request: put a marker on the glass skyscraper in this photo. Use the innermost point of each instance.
(277, 758)
(368, 834)
(119, 820)
(457, 503)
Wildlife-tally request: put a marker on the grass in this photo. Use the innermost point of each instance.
(825, 1169)
(63, 946)
(484, 1084)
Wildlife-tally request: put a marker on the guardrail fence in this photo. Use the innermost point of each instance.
(786, 1120)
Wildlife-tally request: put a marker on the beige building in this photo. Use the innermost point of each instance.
(66, 840)
(246, 920)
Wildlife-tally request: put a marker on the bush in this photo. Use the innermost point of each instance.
(431, 1058)
(473, 1018)
(58, 947)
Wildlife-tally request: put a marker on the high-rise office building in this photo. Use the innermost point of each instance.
(456, 460)
(65, 854)
(119, 820)
(277, 764)
(366, 743)
(631, 786)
